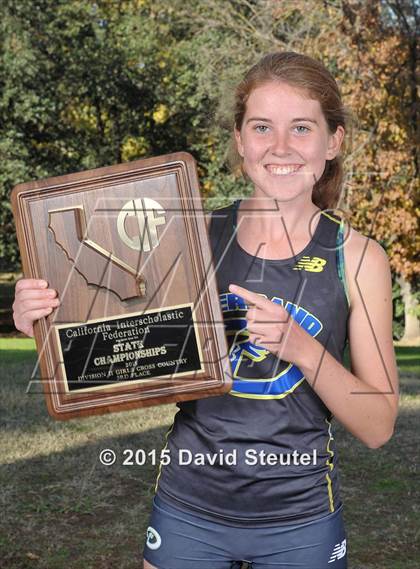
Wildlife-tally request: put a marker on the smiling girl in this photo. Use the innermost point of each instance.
(296, 285)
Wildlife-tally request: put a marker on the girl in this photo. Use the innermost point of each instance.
(253, 474)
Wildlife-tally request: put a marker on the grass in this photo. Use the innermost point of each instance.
(408, 360)
(7, 295)
(15, 350)
(62, 509)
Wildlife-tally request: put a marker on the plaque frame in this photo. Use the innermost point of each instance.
(43, 259)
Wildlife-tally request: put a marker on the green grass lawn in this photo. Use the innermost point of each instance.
(408, 360)
(17, 350)
(62, 509)
(7, 295)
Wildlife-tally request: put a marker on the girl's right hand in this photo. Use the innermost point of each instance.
(33, 300)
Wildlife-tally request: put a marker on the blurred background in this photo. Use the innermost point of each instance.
(88, 84)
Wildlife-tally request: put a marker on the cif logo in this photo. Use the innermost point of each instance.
(149, 214)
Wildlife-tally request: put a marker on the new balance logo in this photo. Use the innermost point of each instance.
(338, 552)
(311, 264)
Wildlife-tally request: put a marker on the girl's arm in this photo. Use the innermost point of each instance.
(364, 400)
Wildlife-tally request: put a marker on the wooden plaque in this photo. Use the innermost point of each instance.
(139, 323)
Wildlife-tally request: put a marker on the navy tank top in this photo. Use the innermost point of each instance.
(264, 453)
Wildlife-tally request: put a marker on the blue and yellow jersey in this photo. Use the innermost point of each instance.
(271, 409)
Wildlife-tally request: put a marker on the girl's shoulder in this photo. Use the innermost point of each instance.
(358, 246)
(364, 259)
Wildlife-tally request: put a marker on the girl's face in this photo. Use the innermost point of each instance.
(284, 141)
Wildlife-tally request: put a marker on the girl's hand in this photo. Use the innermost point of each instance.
(272, 327)
(33, 300)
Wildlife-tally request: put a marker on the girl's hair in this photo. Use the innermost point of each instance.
(305, 73)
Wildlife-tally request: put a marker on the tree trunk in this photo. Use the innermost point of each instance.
(411, 320)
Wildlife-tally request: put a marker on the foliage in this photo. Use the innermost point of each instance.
(88, 84)
(85, 85)
(379, 64)
(398, 312)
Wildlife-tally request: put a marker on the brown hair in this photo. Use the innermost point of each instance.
(305, 73)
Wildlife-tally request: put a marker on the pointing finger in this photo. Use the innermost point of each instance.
(250, 297)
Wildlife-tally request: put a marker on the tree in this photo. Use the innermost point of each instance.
(85, 85)
(371, 49)
(383, 189)
(89, 84)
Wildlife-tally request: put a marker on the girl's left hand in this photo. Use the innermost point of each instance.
(272, 327)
